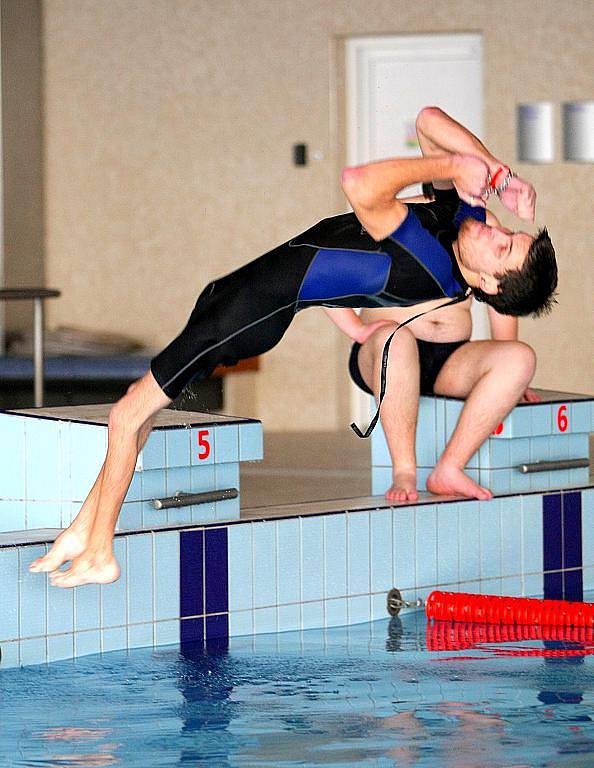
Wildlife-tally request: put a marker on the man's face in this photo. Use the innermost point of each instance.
(491, 251)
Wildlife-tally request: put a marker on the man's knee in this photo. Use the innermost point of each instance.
(516, 360)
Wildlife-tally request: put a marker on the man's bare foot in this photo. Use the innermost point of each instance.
(70, 544)
(88, 568)
(451, 481)
(404, 487)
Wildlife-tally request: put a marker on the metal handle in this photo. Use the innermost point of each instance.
(551, 466)
(181, 499)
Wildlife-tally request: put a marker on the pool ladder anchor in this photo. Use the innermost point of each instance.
(395, 602)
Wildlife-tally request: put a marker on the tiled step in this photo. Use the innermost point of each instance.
(50, 457)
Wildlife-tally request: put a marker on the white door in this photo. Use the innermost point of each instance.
(388, 80)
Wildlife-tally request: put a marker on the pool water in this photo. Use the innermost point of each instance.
(368, 695)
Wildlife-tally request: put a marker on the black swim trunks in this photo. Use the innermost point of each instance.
(432, 357)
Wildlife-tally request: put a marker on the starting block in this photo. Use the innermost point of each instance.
(538, 446)
(188, 471)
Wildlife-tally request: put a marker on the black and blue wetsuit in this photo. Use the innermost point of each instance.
(335, 264)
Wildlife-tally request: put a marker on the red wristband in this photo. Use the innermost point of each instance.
(501, 168)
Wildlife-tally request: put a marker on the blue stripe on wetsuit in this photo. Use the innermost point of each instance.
(428, 251)
(336, 273)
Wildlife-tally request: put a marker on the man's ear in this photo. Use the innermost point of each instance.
(488, 284)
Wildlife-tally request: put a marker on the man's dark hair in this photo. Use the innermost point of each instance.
(531, 289)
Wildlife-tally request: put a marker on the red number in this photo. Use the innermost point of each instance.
(498, 429)
(203, 443)
(562, 420)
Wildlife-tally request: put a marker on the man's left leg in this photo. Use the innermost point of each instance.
(492, 377)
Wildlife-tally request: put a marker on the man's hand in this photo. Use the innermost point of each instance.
(520, 198)
(471, 179)
(368, 329)
(530, 396)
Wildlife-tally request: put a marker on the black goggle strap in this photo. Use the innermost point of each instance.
(385, 353)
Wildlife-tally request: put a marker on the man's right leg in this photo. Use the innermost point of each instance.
(400, 405)
(87, 543)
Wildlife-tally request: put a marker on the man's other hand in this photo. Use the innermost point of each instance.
(530, 396)
(520, 198)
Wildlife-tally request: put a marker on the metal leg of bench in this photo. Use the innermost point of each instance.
(38, 351)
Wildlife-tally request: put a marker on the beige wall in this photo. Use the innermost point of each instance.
(168, 134)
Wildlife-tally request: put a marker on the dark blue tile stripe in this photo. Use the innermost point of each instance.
(190, 569)
(552, 543)
(191, 631)
(216, 571)
(573, 584)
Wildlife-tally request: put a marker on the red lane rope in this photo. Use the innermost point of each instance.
(491, 609)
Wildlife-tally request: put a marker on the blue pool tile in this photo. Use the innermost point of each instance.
(381, 550)
(380, 455)
(500, 454)
(178, 480)
(265, 620)
(469, 540)
(191, 578)
(167, 632)
(179, 516)
(426, 545)
(216, 580)
(251, 446)
(540, 449)
(312, 615)
(12, 457)
(242, 623)
(440, 426)
(88, 448)
(511, 535)
(379, 608)
(60, 647)
(491, 587)
(9, 578)
(177, 447)
(359, 570)
(573, 585)
(522, 421)
(191, 631)
(217, 626)
(572, 529)
(403, 553)
(553, 585)
(490, 532)
(519, 451)
(425, 440)
(264, 574)
(552, 532)
(135, 489)
(202, 478)
(578, 445)
(60, 610)
(453, 409)
(114, 639)
(540, 419)
(289, 618)
(512, 586)
(580, 416)
(422, 477)
(312, 558)
(33, 651)
(532, 534)
(43, 514)
(240, 546)
(381, 480)
(114, 597)
(166, 575)
(42, 438)
(153, 453)
(588, 527)
(336, 612)
(335, 561)
(359, 609)
(140, 635)
(227, 444)
(201, 513)
(447, 543)
(154, 484)
(87, 607)
(140, 578)
(227, 476)
(532, 585)
(131, 516)
(289, 560)
(12, 516)
(202, 447)
(87, 643)
(33, 587)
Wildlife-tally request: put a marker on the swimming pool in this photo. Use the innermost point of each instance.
(365, 695)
